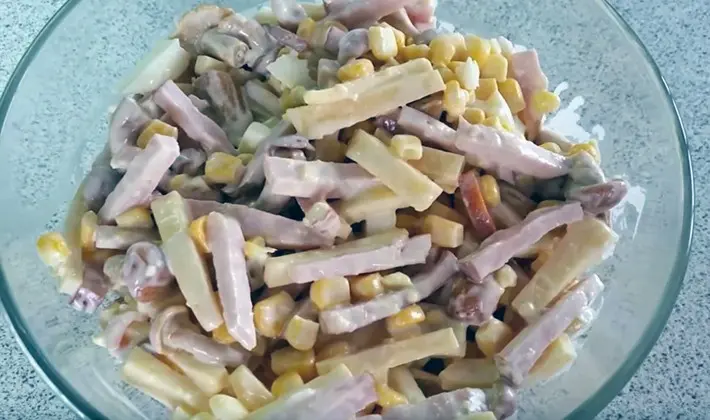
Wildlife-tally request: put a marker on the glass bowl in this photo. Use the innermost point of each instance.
(54, 116)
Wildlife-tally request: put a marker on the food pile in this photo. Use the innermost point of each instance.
(333, 211)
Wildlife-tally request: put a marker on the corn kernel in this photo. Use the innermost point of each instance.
(406, 147)
(400, 38)
(486, 88)
(222, 168)
(455, 99)
(506, 276)
(412, 52)
(178, 181)
(249, 389)
(410, 315)
(366, 287)
(474, 115)
(493, 121)
(203, 416)
(255, 249)
(478, 48)
(286, 383)
(53, 249)
(301, 333)
(459, 42)
(468, 74)
(271, 314)
(356, 69)
(589, 147)
(137, 217)
(221, 335)
(544, 102)
(305, 28)
(513, 95)
(245, 158)
(335, 349)
(388, 397)
(489, 190)
(87, 230)
(292, 98)
(290, 359)
(496, 67)
(155, 127)
(446, 74)
(329, 292)
(383, 42)
(454, 65)
(442, 50)
(552, 147)
(396, 281)
(198, 233)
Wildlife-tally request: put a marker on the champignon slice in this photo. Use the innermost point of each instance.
(277, 231)
(142, 176)
(350, 318)
(428, 129)
(353, 44)
(196, 124)
(126, 124)
(101, 180)
(506, 153)
(289, 13)
(599, 198)
(503, 245)
(226, 241)
(145, 272)
(196, 22)
(288, 38)
(229, 102)
(172, 330)
(518, 356)
(118, 334)
(93, 289)
(189, 162)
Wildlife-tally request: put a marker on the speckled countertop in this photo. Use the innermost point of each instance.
(672, 382)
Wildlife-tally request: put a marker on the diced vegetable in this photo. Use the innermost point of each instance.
(493, 336)
(301, 333)
(290, 359)
(349, 103)
(286, 383)
(271, 314)
(171, 215)
(166, 61)
(444, 168)
(444, 233)
(402, 381)
(375, 359)
(249, 389)
(329, 292)
(211, 379)
(225, 407)
(256, 132)
(379, 199)
(194, 281)
(584, 245)
(291, 71)
(557, 357)
(418, 190)
(473, 373)
(156, 379)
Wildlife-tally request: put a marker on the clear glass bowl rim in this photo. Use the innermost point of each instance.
(589, 409)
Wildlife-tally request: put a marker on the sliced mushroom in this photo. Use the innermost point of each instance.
(600, 198)
(229, 102)
(288, 38)
(189, 162)
(353, 45)
(93, 289)
(289, 13)
(226, 48)
(122, 333)
(172, 330)
(126, 124)
(196, 22)
(101, 180)
(145, 272)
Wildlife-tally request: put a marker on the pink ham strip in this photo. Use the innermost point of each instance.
(519, 356)
(500, 247)
(304, 179)
(401, 253)
(350, 318)
(226, 241)
(196, 124)
(279, 232)
(142, 176)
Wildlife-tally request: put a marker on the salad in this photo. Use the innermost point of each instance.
(336, 211)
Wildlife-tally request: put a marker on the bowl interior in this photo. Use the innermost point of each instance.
(54, 117)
